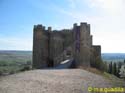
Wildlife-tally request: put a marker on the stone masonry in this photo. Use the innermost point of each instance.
(50, 47)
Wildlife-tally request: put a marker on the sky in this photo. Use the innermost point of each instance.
(107, 19)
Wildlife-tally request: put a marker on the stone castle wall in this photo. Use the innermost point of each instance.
(50, 47)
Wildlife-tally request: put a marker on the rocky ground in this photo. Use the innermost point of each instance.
(52, 81)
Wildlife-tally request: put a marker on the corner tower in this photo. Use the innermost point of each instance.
(40, 47)
(82, 44)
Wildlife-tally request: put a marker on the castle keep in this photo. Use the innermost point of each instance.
(50, 47)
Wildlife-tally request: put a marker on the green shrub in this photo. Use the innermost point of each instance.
(1, 73)
(99, 64)
(25, 68)
(12, 72)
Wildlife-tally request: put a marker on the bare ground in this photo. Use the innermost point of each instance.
(52, 81)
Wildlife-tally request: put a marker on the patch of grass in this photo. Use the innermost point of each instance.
(115, 81)
(26, 68)
(13, 69)
(14, 61)
(107, 75)
(9, 69)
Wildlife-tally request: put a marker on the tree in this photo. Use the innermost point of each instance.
(122, 71)
(99, 64)
(124, 61)
(105, 66)
(118, 70)
(110, 67)
(114, 69)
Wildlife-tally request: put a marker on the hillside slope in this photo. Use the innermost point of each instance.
(52, 81)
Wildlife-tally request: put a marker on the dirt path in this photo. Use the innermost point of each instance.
(51, 81)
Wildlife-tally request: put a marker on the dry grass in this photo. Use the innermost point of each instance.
(93, 70)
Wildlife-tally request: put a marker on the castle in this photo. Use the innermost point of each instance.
(50, 47)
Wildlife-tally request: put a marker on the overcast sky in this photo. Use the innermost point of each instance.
(107, 19)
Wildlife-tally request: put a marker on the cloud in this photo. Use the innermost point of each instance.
(110, 6)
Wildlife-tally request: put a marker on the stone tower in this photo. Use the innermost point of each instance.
(83, 44)
(40, 46)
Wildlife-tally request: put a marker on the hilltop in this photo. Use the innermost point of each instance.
(52, 81)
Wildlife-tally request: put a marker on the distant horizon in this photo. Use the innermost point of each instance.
(101, 53)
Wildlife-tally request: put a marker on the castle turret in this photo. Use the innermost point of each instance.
(40, 42)
(49, 29)
(84, 46)
(88, 29)
(81, 44)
